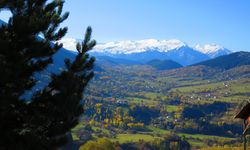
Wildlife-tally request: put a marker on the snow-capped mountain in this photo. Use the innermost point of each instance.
(212, 50)
(145, 50)
(129, 47)
(70, 43)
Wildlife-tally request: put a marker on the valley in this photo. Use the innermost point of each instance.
(165, 75)
(131, 103)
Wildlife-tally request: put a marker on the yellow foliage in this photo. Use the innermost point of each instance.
(92, 122)
(98, 104)
(100, 144)
(106, 120)
(135, 125)
(98, 111)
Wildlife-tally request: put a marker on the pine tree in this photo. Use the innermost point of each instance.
(26, 48)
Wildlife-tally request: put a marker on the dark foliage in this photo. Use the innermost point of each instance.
(170, 142)
(42, 122)
(192, 113)
(144, 114)
(227, 130)
(174, 142)
(198, 111)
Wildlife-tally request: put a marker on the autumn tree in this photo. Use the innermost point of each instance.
(100, 144)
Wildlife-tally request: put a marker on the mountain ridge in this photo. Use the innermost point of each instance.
(137, 46)
(227, 62)
(146, 50)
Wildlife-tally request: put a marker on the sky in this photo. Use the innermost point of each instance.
(223, 22)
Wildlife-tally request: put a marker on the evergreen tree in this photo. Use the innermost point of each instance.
(26, 48)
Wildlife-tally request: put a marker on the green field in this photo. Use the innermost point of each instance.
(127, 138)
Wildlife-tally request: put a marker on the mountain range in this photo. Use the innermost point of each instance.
(232, 63)
(142, 51)
(173, 55)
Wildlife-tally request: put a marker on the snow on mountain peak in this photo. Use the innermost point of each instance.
(69, 43)
(128, 47)
(208, 48)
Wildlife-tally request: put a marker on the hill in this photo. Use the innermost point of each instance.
(228, 61)
(164, 64)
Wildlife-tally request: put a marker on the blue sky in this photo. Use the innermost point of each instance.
(224, 22)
